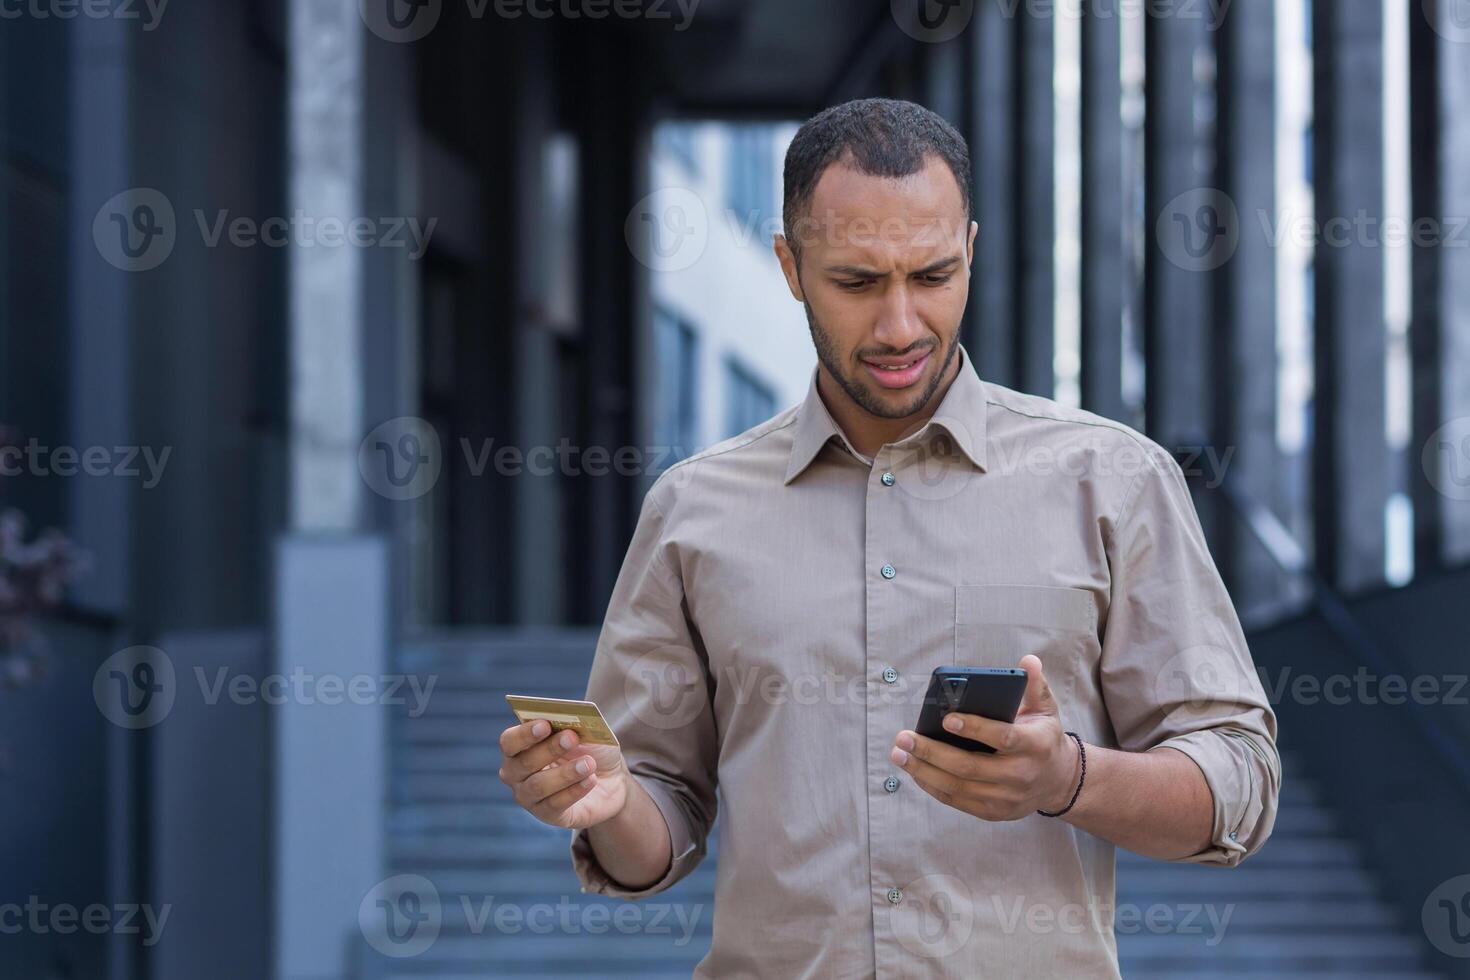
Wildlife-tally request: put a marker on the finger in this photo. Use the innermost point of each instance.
(518, 738)
(536, 788)
(540, 755)
(963, 763)
(1038, 698)
(559, 801)
(1002, 736)
(941, 783)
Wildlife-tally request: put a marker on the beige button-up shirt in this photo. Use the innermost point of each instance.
(774, 625)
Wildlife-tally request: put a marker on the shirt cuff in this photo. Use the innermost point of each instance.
(686, 850)
(1244, 785)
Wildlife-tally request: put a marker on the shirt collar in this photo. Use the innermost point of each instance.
(961, 413)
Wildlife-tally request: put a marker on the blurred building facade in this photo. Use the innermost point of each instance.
(336, 496)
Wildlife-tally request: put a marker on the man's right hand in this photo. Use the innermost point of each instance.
(561, 781)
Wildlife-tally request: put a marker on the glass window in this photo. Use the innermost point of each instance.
(676, 414)
(749, 401)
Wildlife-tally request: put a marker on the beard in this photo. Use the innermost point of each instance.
(858, 390)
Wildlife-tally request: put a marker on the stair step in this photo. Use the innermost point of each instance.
(484, 654)
(1188, 882)
(1309, 851)
(546, 882)
(1384, 947)
(594, 953)
(1298, 971)
(1179, 886)
(447, 849)
(1305, 906)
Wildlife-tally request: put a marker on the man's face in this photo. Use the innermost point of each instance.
(884, 276)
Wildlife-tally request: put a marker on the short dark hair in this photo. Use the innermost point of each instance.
(878, 137)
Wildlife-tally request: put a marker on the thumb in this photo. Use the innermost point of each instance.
(1038, 698)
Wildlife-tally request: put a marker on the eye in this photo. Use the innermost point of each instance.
(938, 279)
(851, 285)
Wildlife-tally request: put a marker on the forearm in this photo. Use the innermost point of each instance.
(1154, 803)
(634, 847)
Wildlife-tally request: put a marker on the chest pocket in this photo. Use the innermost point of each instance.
(997, 625)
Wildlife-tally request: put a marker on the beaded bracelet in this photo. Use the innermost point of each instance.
(1082, 754)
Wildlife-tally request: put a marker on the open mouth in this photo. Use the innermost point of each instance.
(893, 373)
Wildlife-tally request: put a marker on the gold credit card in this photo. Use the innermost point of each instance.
(582, 717)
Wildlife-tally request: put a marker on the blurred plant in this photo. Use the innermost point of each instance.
(33, 578)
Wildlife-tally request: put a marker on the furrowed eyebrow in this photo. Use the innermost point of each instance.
(862, 272)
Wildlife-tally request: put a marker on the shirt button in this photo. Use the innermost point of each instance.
(888, 571)
(891, 784)
(887, 479)
(1233, 835)
(890, 675)
(894, 896)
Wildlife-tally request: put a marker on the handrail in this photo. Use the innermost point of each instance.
(1289, 555)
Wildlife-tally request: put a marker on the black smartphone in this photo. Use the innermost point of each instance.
(990, 692)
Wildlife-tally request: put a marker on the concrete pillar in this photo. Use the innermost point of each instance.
(1454, 363)
(544, 310)
(1350, 453)
(1177, 299)
(1246, 297)
(944, 81)
(1102, 213)
(1035, 312)
(101, 303)
(333, 613)
(614, 132)
(326, 105)
(994, 159)
(1440, 331)
(100, 370)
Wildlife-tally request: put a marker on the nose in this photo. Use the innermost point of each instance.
(899, 325)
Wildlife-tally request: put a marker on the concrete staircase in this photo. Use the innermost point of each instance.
(1304, 906)
(508, 904)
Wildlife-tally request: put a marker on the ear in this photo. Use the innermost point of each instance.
(970, 245)
(789, 267)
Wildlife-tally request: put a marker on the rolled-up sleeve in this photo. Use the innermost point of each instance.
(650, 677)
(1175, 669)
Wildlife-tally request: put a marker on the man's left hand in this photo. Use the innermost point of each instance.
(1034, 767)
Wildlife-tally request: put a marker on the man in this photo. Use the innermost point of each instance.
(788, 592)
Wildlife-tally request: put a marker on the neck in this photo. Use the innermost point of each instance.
(868, 432)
